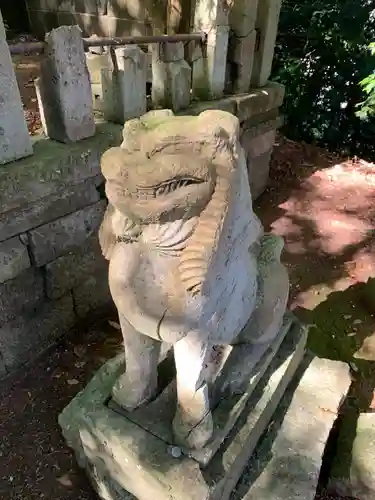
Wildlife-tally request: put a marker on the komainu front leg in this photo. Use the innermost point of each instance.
(193, 424)
(139, 382)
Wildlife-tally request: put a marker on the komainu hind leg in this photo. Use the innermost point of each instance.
(267, 317)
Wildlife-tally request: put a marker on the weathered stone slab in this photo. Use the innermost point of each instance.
(93, 293)
(15, 141)
(54, 166)
(241, 56)
(258, 169)
(132, 66)
(257, 145)
(259, 101)
(171, 77)
(70, 270)
(247, 107)
(209, 69)
(28, 335)
(268, 14)
(63, 89)
(286, 464)
(122, 458)
(52, 240)
(14, 258)
(21, 294)
(95, 63)
(242, 16)
(48, 208)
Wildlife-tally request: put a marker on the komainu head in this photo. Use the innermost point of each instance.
(172, 168)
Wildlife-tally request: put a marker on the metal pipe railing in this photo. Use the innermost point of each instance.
(38, 47)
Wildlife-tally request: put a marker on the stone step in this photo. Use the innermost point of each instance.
(287, 461)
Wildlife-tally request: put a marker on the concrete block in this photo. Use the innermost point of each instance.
(93, 293)
(15, 141)
(124, 459)
(171, 77)
(48, 208)
(14, 258)
(21, 294)
(286, 464)
(28, 335)
(69, 271)
(54, 166)
(63, 89)
(54, 239)
(267, 24)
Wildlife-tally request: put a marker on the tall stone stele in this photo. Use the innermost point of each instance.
(190, 269)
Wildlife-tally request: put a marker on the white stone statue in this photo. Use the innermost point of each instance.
(189, 264)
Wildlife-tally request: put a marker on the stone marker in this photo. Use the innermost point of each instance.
(267, 24)
(171, 76)
(124, 87)
(189, 266)
(242, 43)
(287, 462)
(15, 141)
(63, 89)
(210, 61)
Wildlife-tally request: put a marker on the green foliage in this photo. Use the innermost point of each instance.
(367, 107)
(321, 56)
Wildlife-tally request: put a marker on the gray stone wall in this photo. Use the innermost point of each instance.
(52, 272)
(100, 17)
(259, 115)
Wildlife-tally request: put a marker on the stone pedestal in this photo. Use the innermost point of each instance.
(131, 455)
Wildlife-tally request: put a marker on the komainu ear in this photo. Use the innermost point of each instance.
(107, 238)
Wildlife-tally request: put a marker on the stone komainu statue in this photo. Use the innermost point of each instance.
(189, 263)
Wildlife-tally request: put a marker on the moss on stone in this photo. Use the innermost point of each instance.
(54, 166)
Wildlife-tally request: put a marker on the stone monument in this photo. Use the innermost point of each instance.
(201, 296)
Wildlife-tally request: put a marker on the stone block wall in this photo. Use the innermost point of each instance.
(259, 115)
(102, 17)
(52, 272)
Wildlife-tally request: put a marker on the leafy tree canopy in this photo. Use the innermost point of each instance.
(322, 55)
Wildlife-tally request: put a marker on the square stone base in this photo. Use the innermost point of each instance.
(125, 460)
